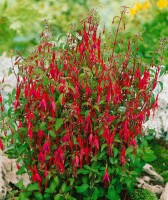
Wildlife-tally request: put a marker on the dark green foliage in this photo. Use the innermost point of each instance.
(153, 31)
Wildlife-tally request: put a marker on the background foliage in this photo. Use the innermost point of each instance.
(21, 20)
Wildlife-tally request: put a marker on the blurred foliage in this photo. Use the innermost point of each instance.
(21, 20)
(152, 18)
(154, 31)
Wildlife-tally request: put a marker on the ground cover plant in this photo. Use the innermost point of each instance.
(78, 112)
(140, 194)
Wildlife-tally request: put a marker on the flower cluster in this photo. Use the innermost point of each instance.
(139, 7)
(161, 4)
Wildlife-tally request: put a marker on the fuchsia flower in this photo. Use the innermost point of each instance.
(106, 177)
(46, 147)
(0, 98)
(1, 145)
(133, 142)
(35, 175)
(30, 134)
(40, 133)
(42, 157)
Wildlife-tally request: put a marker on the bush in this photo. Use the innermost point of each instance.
(79, 108)
(140, 194)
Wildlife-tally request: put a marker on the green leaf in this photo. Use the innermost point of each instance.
(115, 151)
(85, 104)
(58, 123)
(71, 181)
(113, 160)
(10, 111)
(38, 196)
(22, 196)
(53, 186)
(129, 150)
(10, 71)
(20, 184)
(57, 197)
(96, 165)
(60, 98)
(116, 139)
(47, 196)
(43, 126)
(82, 171)
(52, 134)
(21, 149)
(128, 182)
(161, 85)
(148, 156)
(21, 170)
(82, 188)
(56, 180)
(95, 194)
(112, 194)
(33, 187)
(103, 153)
(87, 167)
(103, 146)
(45, 80)
(96, 107)
(63, 188)
(85, 179)
(48, 191)
(87, 112)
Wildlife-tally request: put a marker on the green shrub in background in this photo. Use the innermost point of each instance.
(151, 16)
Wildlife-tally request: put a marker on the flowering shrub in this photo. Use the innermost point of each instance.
(80, 108)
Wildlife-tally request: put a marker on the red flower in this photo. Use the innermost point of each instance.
(46, 147)
(0, 98)
(42, 157)
(106, 177)
(1, 145)
(133, 142)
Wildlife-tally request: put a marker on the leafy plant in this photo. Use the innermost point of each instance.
(139, 194)
(79, 108)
